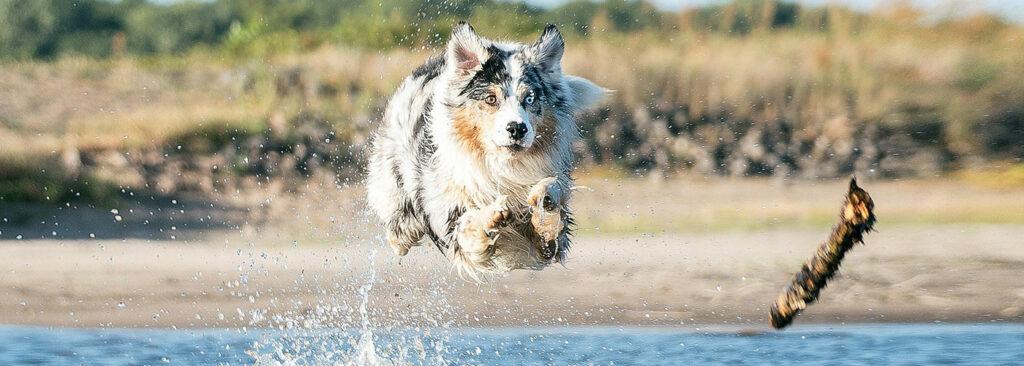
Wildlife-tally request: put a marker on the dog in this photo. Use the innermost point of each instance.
(474, 154)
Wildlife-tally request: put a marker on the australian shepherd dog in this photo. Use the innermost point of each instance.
(474, 154)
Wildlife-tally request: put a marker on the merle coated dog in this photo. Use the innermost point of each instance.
(475, 153)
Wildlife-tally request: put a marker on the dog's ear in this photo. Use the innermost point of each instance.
(465, 49)
(586, 95)
(548, 49)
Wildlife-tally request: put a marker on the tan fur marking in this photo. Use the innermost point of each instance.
(471, 122)
(466, 123)
(459, 192)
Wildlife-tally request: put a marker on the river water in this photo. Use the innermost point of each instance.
(911, 344)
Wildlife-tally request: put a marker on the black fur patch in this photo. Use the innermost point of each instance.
(453, 220)
(424, 143)
(430, 69)
(397, 171)
(424, 137)
(547, 91)
(492, 72)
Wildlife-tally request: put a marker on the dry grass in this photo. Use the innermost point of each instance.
(885, 102)
(1004, 176)
(713, 205)
(127, 103)
(688, 205)
(930, 92)
(809, 78)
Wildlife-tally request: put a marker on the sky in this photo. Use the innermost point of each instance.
(1010, 9)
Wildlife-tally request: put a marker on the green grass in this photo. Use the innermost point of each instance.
(54, 187)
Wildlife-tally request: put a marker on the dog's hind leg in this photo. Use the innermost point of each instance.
(404, 230)
(390, 200)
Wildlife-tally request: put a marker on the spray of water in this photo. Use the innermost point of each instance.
(365, 329)
(366, 351)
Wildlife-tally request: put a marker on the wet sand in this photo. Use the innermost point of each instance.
(906, 273)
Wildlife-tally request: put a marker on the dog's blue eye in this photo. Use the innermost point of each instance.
(529, 99)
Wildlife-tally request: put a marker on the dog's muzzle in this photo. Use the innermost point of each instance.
(516, 131)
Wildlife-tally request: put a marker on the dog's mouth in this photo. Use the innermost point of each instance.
(512, 148)
(515, 148)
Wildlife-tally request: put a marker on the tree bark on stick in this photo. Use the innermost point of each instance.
(855, 219)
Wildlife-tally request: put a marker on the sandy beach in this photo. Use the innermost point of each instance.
(648, 276)
(919, 274)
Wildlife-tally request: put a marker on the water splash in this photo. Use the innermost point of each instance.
(366, 350)
(366, 329)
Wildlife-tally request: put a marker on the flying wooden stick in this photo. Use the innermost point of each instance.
(855, 219)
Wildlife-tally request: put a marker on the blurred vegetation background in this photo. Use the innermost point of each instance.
(112, 100)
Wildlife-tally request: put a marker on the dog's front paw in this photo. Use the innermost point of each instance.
(546, 199)
(496, 215)
(479, 228)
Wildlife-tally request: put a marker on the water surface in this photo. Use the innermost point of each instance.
(910, 344)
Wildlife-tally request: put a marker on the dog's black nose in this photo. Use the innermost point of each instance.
(517, 130)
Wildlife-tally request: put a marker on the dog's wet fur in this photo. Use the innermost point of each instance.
(475, 153)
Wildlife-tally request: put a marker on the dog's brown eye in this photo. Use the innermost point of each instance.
(491, 99)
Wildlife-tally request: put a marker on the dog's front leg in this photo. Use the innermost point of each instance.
(546, 201)
(478, 229)
(549, 216)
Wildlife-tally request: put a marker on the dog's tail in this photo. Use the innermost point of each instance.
(585, 93)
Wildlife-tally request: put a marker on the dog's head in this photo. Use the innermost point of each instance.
(508, 97)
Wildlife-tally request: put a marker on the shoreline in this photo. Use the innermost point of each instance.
(905, 274)
(695, 329)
